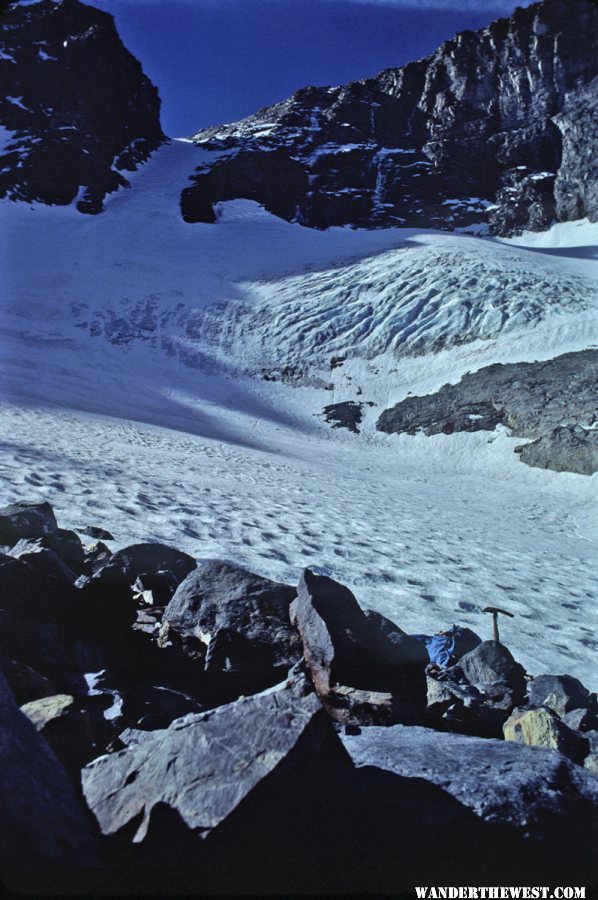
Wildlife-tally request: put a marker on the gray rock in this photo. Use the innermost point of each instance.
(43, 561)
(499, 781)
(492, 670)
(63, 543)
(99, 534)
(576, 188)
(560, 693)
(533, 399)
(564, 449)
(185, 767)
(359, 673)
(237, 623)
(580, 720)
(139, 559)
(26, 520)
(46, 842)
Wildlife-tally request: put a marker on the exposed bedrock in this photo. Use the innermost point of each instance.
(475, 133)
(80, 108)
(552, 403)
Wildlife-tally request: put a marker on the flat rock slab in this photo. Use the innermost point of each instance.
(501, 782)
(205, 764)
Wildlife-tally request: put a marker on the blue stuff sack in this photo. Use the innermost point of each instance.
(446, 648)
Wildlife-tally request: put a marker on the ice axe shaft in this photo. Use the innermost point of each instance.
(495, 610)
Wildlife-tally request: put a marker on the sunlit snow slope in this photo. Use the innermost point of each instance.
(133, 347)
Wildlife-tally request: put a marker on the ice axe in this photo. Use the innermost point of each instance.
(495, 610)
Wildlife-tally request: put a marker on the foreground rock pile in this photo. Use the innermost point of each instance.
(189, 727)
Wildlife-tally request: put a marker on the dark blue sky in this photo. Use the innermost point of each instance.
(215, 61)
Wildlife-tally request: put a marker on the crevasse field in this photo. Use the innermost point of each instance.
(132, 352)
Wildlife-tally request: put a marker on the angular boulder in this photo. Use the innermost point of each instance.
(236, 623)
(46, 841)
(560, 693)
(26, 520)
(204, 765)
(151, 558)
(535, 810)
(492, 669)
(542, 728)
(360, 675)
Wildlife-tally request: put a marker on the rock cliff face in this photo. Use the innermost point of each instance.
(477, 133)
(77, 108)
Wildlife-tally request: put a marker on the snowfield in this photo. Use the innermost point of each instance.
(132, 347)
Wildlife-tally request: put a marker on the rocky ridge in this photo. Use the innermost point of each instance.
(315, 749)
(551, 403)
(66, 139)
(487, 132)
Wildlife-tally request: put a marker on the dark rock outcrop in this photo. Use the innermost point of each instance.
(46, 840)
(344, 415)
(544, 400)
(576, 185)
(80, 108)
(475, 133)
(565, 449)
(25, 683)
(236, 623)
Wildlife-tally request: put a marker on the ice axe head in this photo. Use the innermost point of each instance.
(495, 610)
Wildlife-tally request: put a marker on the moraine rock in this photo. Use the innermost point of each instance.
(236, 623)
(486, 132)
(46, 842)
(26, 520)
(560, 693)
(361, 676)
(148, 559)
(591, 761)
(493, 671)
(184, 766)
(65, 544)
(69, 138)
(541, 810)
(542, 728)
